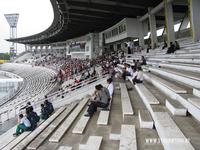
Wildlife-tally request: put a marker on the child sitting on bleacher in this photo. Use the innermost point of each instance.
(23, 125)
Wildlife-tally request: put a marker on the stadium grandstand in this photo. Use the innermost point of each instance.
(120, 74)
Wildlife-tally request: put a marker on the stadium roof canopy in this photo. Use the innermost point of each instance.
(73, 18)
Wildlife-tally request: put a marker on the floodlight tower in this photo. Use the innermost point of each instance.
(12, 20)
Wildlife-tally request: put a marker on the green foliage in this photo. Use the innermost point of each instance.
(4, 56)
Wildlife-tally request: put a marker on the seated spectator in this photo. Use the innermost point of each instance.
(138, 64)
(28, 106)
(127, 72)
(76, 81)
(82, 77)
(177, 46)
(138, 76)
(165, 45)
(110, 87)
(143, 61)
(101, 99)
(88, 75)
(33, 118)
(44, 112)
(135, 64)
(171, 49)
(23, 125)
(49, 106)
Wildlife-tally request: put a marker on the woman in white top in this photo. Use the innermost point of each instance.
(138, 77)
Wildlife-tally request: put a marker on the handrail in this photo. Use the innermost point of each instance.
(81, 84)
(75, 89)
(67, 91)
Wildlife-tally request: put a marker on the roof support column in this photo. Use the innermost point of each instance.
(152, 22)
(141, 34)
(169, 21)
(194, 7)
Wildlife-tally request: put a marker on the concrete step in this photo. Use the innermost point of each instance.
(126, 102)
(177, 77)
(196, 92)
(128, 138)
(59, 133)
(93, 143)
(81, 124)
(146, 94)
(65, 148)
(145, 119)
(169, 85)
(171, 136)
(195, 102)
(23, 144)
(175, 107)
(49, 130)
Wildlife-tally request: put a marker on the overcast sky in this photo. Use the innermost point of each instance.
(34, 16)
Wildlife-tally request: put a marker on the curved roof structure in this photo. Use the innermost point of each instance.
(73, 18)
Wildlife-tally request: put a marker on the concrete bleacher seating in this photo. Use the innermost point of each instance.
(81, 124)
(196, 92)
(128, 138)
(38, 130)
(169, 85)
(47, 131)
(125, 99)
(63, 128)
(7, 137)
(16, 141)
(169, 132)
(145, 119)
(65, 148)
(148, 96)
(178, 66)
(168, 129)
(175, 107)
(93, 143)
(186, 79)
(103, 117)
(195, 102)
(165, 126)
(182, 98)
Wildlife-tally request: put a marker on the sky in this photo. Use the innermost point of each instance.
(34, 16)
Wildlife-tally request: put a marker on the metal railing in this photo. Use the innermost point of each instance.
(83, 86)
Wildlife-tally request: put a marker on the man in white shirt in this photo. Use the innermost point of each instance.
(24, 125)
(138, 76)
(110, 87)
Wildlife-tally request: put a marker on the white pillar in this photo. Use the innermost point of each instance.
(194, 7)
(169, 21)
(115, 47)
(141, 34)
(152, 22)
